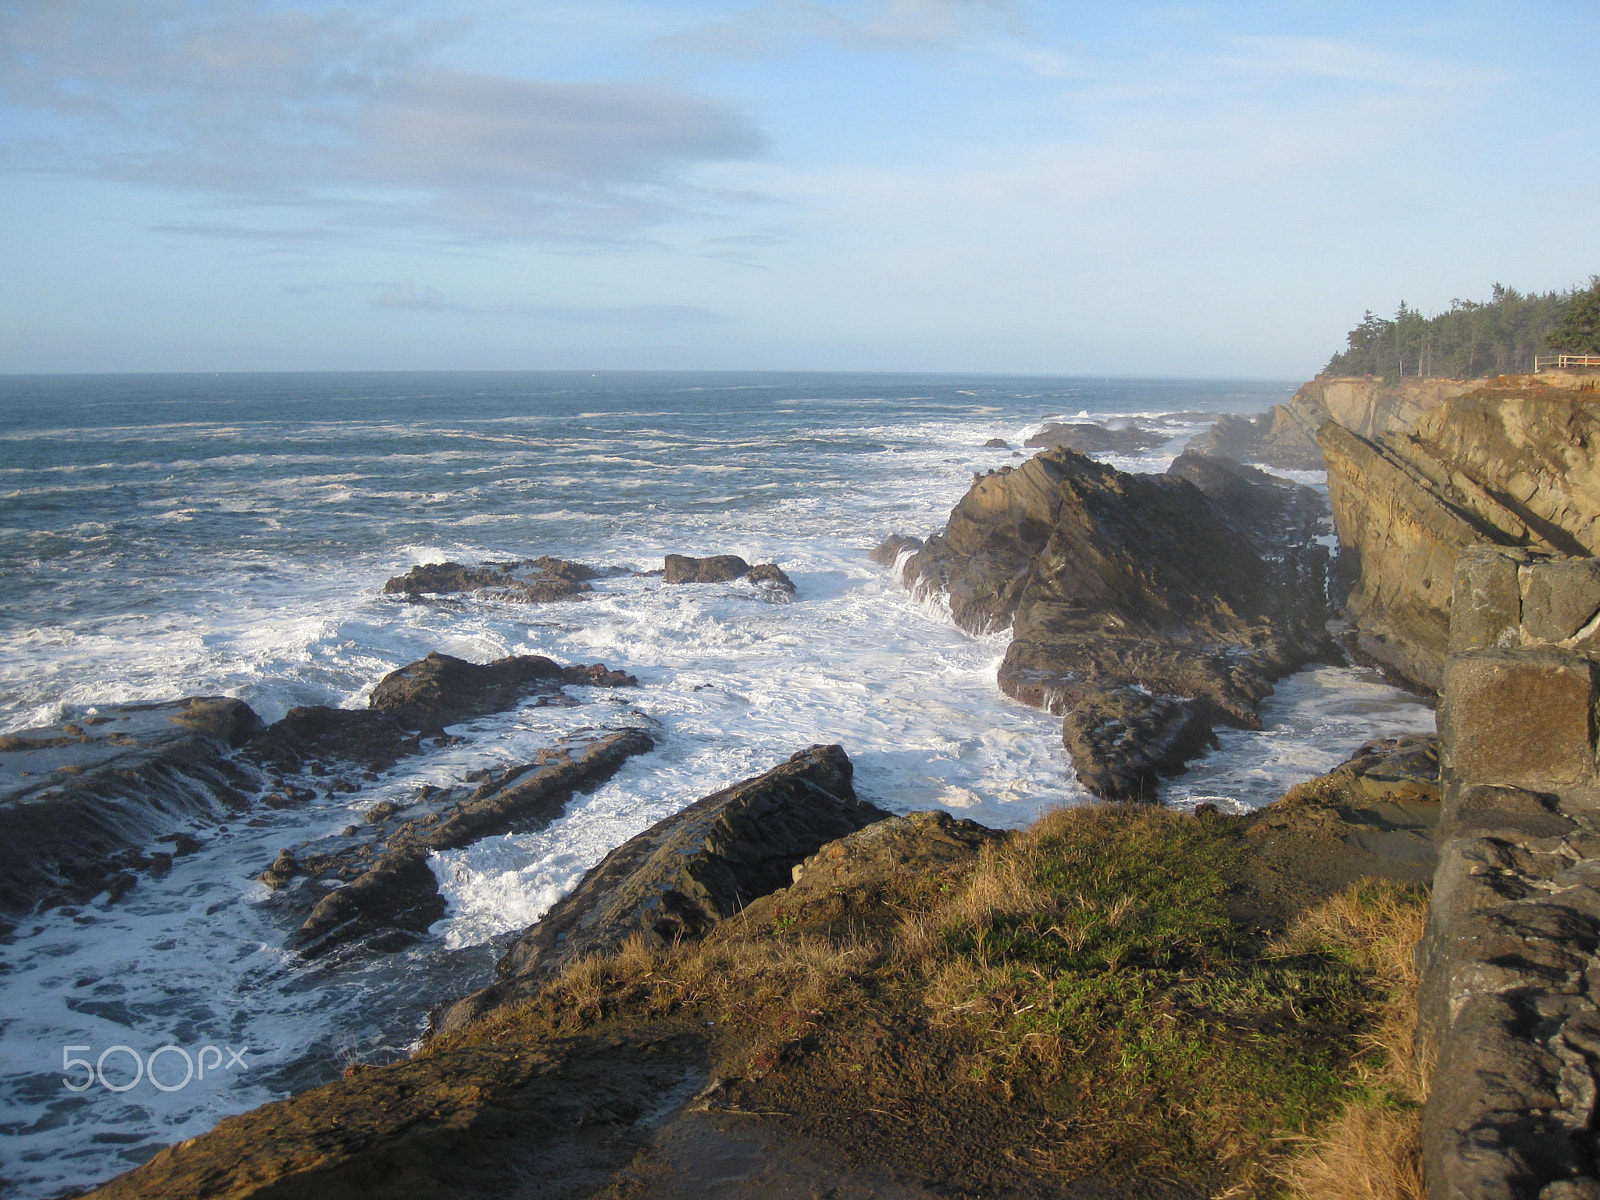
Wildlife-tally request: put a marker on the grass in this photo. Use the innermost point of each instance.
(1089, 968)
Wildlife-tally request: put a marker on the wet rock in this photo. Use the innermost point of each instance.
(887, 552)
(770, 573)
(1197, 588)
(283, 869)
(318, 734)
(1123, 740)
(683, 875)
(721, 568)
(77, 808)
(1090, 438)
(391, 888)
(534, 580)
(997, 444)
(442, 690)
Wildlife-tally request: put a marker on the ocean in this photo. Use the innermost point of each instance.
(177, 535)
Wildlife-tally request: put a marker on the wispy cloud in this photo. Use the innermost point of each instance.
(407, 296)
(885, 24)
(328, 108)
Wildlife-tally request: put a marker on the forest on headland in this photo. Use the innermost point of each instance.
(1500, 336)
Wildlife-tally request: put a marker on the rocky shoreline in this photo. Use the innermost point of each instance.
(782, 990)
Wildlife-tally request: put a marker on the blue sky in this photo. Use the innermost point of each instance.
(940, 185)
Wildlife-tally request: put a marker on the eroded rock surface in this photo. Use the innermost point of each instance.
(1286, 434)
(1510, 464)
(1150, 606)
(683, 875)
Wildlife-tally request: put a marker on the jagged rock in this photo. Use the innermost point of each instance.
(887, 552)
(79, 800)
(1286, 435)
(720, 568)
(1510, 465)
(997, 444)
(535, 580)
(1089, 438)
(683, 875)
(1199, 586)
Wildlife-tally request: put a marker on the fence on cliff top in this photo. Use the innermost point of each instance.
(1562, 361)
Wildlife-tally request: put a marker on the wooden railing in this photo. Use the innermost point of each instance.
(1560, 362)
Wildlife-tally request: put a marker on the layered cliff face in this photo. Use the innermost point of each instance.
(1286, 434)
(1512, 463)
(1142, 607)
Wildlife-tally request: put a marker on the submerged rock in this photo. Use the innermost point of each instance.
(534, 580)
(683, 875)
(1162, 602)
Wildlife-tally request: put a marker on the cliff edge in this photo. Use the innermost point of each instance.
(1511, 463)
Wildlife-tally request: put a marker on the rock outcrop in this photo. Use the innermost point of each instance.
(1511, 464)
(682, 876)
(722, 568)
(1143, 608)
(392, 891)
(441, 690)
(532, 580)
(80, 801)
(1286, 435)
(1508, 1002)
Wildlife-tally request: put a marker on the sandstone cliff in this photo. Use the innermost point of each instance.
(1511, 463)
(1286, 434)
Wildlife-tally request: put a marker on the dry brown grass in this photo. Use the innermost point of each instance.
(1372, 1150)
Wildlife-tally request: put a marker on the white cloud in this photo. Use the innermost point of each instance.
(337, 112)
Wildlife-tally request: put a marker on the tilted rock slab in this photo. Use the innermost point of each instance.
(684, 875)
(80, 799)
(1286, 434)
(398, 892)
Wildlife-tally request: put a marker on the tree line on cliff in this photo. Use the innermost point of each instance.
(1498, 337)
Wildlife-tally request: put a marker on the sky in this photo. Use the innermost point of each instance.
(1007, 186)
